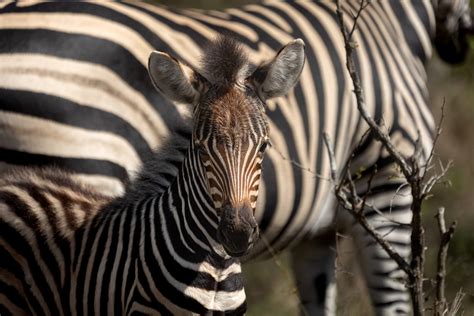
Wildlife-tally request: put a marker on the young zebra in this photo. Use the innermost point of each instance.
(67, 250)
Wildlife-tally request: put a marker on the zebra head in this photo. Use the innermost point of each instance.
(230, 132)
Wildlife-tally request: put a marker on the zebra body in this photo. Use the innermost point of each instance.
(295, 205)
(69, 251)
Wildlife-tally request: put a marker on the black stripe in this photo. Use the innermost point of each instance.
(23, 247)
(126, 240)
(53, 222)
(411, 37)
(166, 289)
(8, 265)
(403, 76)
(384, 289)
(87, 238)
(172, 228)
(66, 112)
(110, 261)
(99, 51)
(163, 45)
(100, 256)
(187, 276)
(390, 187)
(390, 303)
(339, 68)
(268, 177)
(382, 15)
(386, 274)
(286, 130)
(77, 165)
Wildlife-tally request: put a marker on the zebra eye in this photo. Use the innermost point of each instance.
(202, 152)
(263, 146)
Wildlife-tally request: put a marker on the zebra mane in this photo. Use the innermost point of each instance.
(224, 61)
(162, 166)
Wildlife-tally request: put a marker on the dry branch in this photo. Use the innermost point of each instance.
(413, 173)
(441, 306)
(355, 206)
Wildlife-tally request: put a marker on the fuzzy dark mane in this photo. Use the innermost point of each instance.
(224, 61)
(162, 166)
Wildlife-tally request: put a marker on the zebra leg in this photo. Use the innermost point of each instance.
(313, 266)
(391, 217)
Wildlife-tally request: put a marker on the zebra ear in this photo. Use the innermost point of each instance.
(276, 78)
(174, 79)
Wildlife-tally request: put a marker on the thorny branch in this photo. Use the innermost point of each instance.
(414, 174)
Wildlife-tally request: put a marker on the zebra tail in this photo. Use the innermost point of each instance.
(454, 26)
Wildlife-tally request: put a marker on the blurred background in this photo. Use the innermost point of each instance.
(269, 284)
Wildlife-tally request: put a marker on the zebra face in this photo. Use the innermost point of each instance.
(230, 141)
(230, 130)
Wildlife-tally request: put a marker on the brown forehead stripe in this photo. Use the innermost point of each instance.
(231, 113)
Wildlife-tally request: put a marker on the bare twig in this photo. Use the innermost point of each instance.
(438, 133)
(457, 303)
(354, 207)
(434, 179)
(332, 157)
(298, 165)
(441, 306)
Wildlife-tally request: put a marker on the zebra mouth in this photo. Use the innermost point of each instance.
(237, 229)
(235, 254)
(232, 249)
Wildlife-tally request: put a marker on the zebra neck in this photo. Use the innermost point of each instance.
(193, 269)
(191, 209)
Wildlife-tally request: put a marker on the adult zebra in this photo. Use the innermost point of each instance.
(97, 54)
(68, 251)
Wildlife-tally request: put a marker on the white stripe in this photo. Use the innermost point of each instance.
(85, 84)
(178, 41)
(39, 136)
(85, 24)
(272, 16)
(109, 186)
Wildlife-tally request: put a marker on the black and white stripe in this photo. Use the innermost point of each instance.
(395, 40)
(66, 250)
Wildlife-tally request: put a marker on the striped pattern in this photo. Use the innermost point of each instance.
(69, 251)
(104, 47)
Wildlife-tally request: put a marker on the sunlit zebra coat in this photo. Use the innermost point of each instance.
(106, 116)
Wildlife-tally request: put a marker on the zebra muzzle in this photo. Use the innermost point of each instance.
(237, 230)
